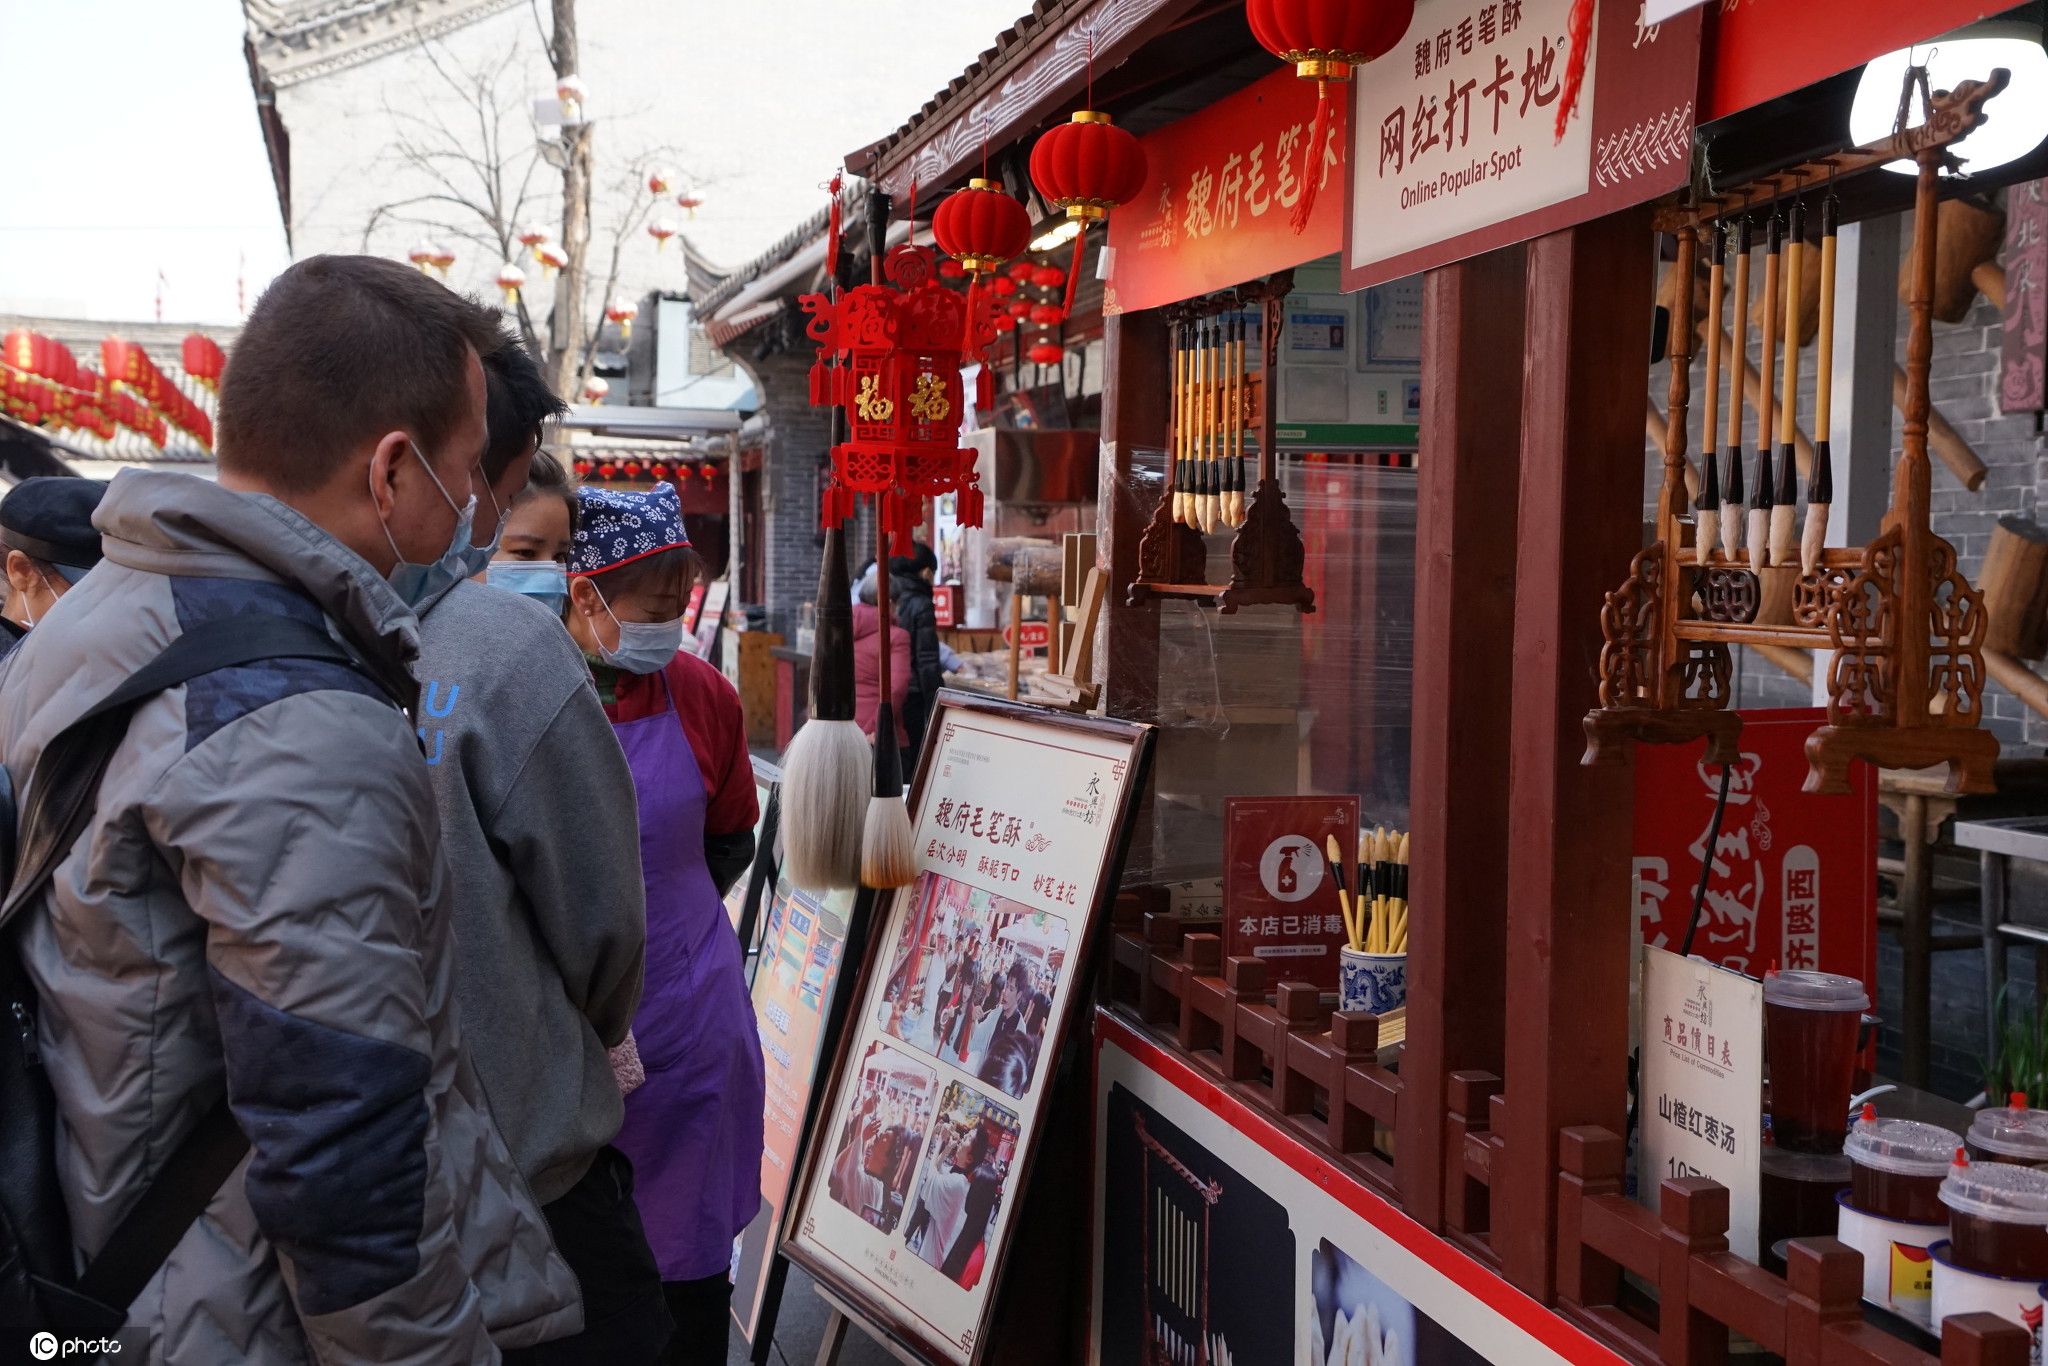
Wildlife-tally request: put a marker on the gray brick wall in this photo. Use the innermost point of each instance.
(798, 437)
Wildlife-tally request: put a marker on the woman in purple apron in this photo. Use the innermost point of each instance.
(693, 1128)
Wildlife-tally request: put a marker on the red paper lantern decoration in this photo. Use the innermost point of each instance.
(607, 470)
(688, 201)
(421, 254)
(622, 311)
(633, 469)
(661, 229)
(595, 388)
(660, 180)
(951, 269)
(707, 471)
(1021, 309)
(1048, 277)
(1004, 286)
(660, 470)
(1048, 315)
(980, 226)
(1089, 166)
(1046, 353)
(1006, 323)
(1020, 271)
(511, 279)
(204, 360)
(531, 236)
(582, 469)
(1325, 39)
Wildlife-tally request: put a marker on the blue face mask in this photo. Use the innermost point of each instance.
(645, 647)
(545, 581)
(415, 583)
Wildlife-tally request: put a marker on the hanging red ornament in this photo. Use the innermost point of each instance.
(1020, 271)
(1003, 285)
(1048, 315)
(1048, 277)
(1021, 309)
(892, 359)
(661, 229)
(607, 470)
(622, 311)
(660, 180)
(511, 279)
(633, 469)
(1088, 166)
(951, 269)
(582, 469)
(690, 202)
(1325, 39)
(1046, 353)
(707, 471)
(203, 359)
(595, 388)
(1006, 323)
(980, 226)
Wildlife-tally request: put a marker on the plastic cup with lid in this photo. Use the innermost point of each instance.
(1810, 1025)
(1998, 1218)
(2011, 1134)
(1897, 1167)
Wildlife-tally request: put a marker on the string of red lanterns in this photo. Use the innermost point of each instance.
(43, 383)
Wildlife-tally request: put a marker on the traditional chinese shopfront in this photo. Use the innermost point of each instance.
(1371, 465)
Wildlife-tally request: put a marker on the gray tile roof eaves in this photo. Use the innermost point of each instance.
(983, 71)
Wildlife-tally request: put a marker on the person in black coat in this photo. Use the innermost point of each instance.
(910, 582)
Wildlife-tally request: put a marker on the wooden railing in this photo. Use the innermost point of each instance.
(1279, 1048)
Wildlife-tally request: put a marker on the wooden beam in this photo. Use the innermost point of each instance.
(1569, 826)
(1135, 359)
(1458, 783)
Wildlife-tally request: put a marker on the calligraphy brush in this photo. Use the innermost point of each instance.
(1344, 898)
(888, 847)
(1767, 380)
(1731, 492)
(1786, 506)
(1707, 506)
(1183, 410)
(1205, 513)
(1820, 485)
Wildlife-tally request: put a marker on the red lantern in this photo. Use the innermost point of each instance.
(531, 236)
(595, 388)
(660, 470)
(1020, 309)
(660, 180)
(204, 360)
(1048, 315)
(1046, 353)
(1089, 166)
(980, 226)
(1004, 286)
(633, 469)
(1048, 277)
(1325, 39)
(689, 201)
(707, 471)
(582, 469)
(1020, 271)
(1006, 323)
(661, 229)
(622, 311)
(607, 470)
(510, 279)
(951, 269)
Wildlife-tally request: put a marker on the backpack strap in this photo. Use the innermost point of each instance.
(62, 794)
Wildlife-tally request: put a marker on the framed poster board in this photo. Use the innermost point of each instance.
(1221, 1237)
(807, 942)
(743, 899)
(914, 1173)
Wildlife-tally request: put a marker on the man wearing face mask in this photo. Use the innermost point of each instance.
(253, 935)
(49, 543)
(693, 1129)
(542, 839)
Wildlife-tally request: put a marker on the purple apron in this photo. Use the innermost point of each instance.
(693, 1130)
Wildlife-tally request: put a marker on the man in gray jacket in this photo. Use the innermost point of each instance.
(258, 905)
(542, 834)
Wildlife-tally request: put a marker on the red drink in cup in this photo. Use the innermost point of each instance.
(1998, 1219)
(1810, 1024)
(1897, 1166)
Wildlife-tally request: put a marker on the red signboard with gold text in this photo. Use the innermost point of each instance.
(1224, 184)
(1761, 49)
(1794, 876)
(1455, 148)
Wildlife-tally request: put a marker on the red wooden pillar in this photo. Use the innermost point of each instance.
(1464, 628)
(1581, 510)
(1134, 394)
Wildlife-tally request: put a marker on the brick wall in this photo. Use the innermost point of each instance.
(797, 438)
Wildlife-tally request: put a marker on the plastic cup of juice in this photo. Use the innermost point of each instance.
(1998, 1218)
(1896, 1167)
(2012, 1134)
(1810, 1024)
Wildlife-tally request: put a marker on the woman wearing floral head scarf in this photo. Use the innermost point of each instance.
(693, 1129)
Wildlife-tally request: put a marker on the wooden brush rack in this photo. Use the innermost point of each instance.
(1266, 554)
(1906, 678)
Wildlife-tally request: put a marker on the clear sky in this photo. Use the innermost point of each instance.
(133, 148)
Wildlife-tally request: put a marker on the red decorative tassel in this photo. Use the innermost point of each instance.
(1074, 267)
(832, 233)
(1312, 170)
(1580, 27)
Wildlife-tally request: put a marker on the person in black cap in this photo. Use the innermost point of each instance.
(46, 527)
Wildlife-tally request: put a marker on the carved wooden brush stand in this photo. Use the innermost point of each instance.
(1906, 678)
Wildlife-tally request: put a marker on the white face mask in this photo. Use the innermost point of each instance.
(416, 583)
(645, 647)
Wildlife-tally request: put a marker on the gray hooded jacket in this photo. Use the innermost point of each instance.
(259, 904)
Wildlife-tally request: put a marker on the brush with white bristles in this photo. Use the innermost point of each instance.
(888, 846)
(825, 771)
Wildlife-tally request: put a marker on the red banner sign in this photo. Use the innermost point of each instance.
(1223, 189)
(1794, 875)
(1761, 49)
(1036, 634)
(1455, 148)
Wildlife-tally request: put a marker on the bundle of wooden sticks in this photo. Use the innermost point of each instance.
(1376, 915)
(1210, 396)
(1766, 533)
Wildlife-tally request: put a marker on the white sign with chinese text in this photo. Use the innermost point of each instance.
(1455, 128)
(1699, 1099)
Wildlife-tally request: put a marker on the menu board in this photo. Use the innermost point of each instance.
(913, 1176)
(803, 948)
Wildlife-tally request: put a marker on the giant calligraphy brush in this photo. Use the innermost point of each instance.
(1820, 485)
(888, 847)
(1767, 377)
(1786, 506)
(1707, 506)
(1178, 491)
(1731, 492)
